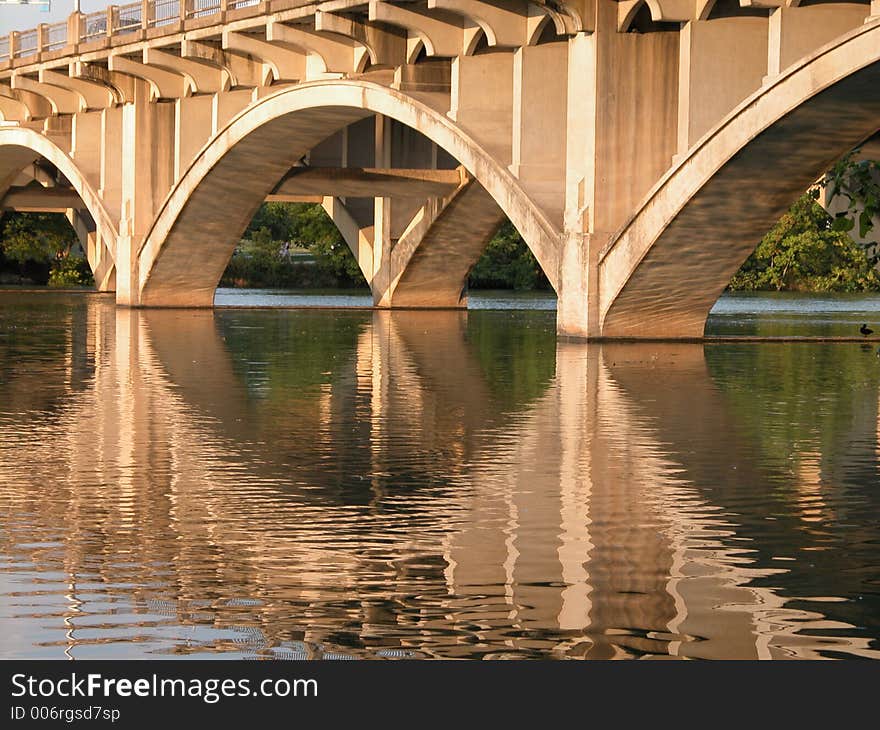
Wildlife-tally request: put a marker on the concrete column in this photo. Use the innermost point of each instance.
(721, 62)
(380, 282)
(86, 145)
(482, 100)
(109, 187)
(796, 32)
(577, 306)
(193, 127)
(227, 104)
(147, 175)
(540, 81)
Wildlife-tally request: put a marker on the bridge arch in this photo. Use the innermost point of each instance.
(20, 146)
(665, 269)
(189, 244)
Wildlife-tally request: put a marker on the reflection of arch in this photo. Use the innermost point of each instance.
(23, 145)
(667, 266)
(190, 242)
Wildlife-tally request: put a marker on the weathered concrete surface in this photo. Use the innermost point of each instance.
(663, 272)
(359, 182)
(561, 115)
(188, 246)
(39, 199)
(435, 272)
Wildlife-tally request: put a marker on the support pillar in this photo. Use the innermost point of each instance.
(380, 281)
(146, 176)
(577, 294)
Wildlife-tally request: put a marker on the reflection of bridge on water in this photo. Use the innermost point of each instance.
(577, 521)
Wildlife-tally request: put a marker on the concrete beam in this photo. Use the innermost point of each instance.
(203, 78)
(283, 198)
(385, 44)
(440, 38)
(241, 70)
(62, 101)
(504, 25)
(95, 96)
(283, 63)
(355, 182)
(119, 84)
(163, 84)
(336, 53)
(12, 109)
(37, 199)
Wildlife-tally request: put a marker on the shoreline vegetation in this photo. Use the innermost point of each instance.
(297, 246)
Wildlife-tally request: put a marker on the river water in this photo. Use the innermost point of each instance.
(352, 484)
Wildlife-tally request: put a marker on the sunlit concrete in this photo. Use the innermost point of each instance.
(618, 137)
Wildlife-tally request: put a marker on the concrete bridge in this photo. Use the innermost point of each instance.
(640, 147)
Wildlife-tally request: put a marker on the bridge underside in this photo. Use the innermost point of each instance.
(640, 148)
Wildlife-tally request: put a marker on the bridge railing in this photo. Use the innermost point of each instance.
(127, 18)
(28, 43)
(202, 8)
(163, 12)
(54, 36)
(93, 25)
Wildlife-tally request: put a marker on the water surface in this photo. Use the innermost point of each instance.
(355, 484)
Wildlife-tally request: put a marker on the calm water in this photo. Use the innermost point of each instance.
(350, 484)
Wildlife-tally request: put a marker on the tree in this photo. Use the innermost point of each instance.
(859, 182)
(46, 239)
(507, 263)
(806, 252)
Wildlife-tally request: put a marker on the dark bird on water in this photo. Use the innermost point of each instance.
(865, 330)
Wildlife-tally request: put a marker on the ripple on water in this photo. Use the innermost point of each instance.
(347, 484)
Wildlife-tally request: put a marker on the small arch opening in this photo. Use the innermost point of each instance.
(548, 33)
(732, 9)
(643, 22)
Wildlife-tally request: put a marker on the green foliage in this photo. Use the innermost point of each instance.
(805, 252)
(259, 261)
(39, 246)
(320, 235)
(859, 182)
(35, 236)
(70, 271)
(507, 263)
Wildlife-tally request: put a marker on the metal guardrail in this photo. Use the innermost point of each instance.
(55, 36)
(27, 43)
(163, 12)
(94, 25)
(127, 18)
(202, 8)
(121, 19)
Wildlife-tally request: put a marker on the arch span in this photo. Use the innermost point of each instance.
(20, 146)
(189, 244)
(663, 272)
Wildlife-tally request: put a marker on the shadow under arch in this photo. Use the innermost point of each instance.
(192, 238)
(19, 146)
(664, 270)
